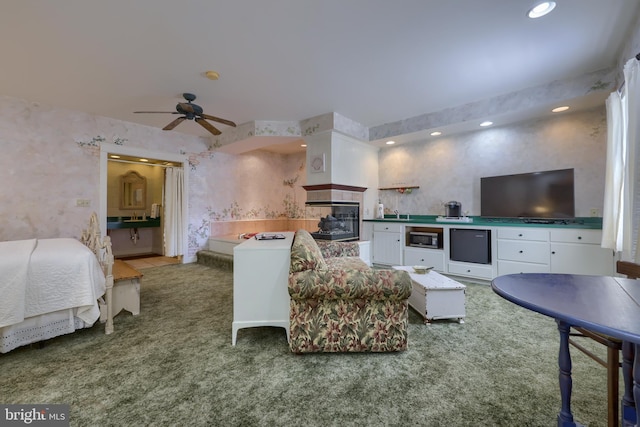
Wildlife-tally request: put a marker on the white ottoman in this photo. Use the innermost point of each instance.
(435, 296)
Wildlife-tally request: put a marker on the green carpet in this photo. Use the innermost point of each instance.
(174, 365)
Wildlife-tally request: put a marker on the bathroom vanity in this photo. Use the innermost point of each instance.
(132, 236)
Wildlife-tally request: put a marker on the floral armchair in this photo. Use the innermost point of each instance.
(340, 304)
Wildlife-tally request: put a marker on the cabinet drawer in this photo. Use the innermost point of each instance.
(428, 257)
(577, 236)
(523, 234)
(525, 251)
(514, 267)
(393, 227)
(471, 270)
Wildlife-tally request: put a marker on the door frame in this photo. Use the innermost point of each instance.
(108, 148)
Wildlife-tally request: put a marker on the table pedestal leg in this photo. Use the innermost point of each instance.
(636, 378)
(628, 404)
(565, 417)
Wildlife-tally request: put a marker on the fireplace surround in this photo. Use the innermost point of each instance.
(338, 209)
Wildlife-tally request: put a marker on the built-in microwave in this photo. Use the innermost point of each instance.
(423, 239)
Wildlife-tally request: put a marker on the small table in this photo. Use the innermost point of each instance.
(606, 305)
(435, 296)
(260, 278)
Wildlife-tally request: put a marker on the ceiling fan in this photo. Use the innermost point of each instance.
(192, 112)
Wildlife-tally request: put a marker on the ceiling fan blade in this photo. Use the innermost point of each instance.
(208, 126)
(174, 123)
(163, 112)
(218, 119)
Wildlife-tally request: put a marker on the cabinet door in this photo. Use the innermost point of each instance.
(387, 248)
(572, 258)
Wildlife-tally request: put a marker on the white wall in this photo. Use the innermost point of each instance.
(348, 161)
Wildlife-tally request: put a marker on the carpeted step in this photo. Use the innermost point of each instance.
(215, 259)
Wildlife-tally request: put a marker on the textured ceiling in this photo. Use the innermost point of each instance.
(373, 61)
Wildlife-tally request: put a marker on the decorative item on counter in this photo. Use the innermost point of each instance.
(155, 211)
(380, 209)
(453, 209)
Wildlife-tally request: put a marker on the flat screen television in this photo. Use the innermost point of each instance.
(545, 195)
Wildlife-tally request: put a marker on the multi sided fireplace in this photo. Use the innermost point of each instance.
(339, 221)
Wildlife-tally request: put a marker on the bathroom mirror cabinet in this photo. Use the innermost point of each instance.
(133, 191)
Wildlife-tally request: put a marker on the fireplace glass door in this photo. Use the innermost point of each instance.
(337, 220)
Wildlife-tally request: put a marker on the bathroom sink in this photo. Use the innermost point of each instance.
(116, 222)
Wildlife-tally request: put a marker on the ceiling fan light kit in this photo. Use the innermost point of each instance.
(194, 112)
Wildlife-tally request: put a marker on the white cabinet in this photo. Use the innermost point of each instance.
(526, 249)
(260, 278)
(387, 243)
(544, 250)
(523, 250)
(579, 252)
(427, 257)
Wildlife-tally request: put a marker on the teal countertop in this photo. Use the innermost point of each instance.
(594, 223)
(117, 222)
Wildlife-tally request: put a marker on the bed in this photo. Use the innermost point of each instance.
(52, 287)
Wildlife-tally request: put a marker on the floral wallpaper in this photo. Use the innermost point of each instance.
(254, 185)
(51, 159)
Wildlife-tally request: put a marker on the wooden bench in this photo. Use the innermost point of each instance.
(126, 288)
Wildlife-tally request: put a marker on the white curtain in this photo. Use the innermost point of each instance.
(173, 198)
(622, 191)
(632, 79)
(612, 211)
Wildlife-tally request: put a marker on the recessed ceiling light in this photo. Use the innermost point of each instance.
(560, 109)
(485, 124)
(303, 145)
(113, 156)
(390, 142)
(212, 75)
(436, 133)
(541, 9)
(144, 160)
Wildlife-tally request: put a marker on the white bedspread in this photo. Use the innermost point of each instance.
(62, 273)
(14, 269)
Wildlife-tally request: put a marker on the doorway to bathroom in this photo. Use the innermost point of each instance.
(143, 202)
